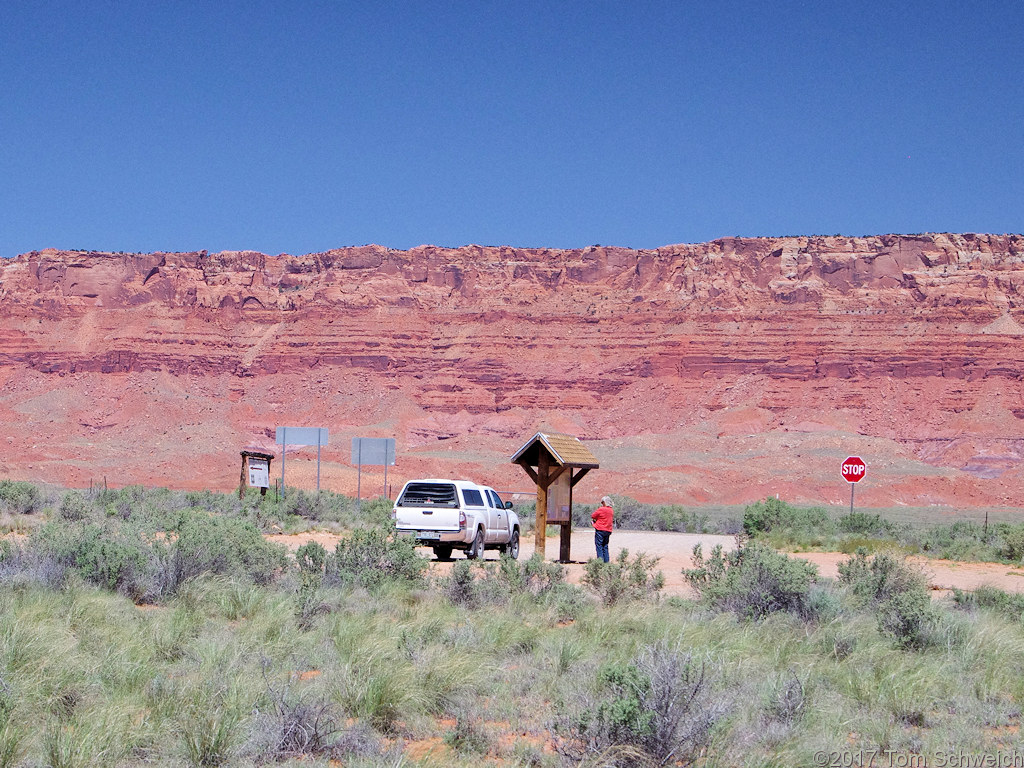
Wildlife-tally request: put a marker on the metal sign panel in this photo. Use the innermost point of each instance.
(373, 451)
(302, 435)
(259, 473)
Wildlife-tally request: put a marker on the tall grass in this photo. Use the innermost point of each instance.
(515, 667)
(207, 683)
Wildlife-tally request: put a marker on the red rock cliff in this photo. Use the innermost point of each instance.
(718, 372)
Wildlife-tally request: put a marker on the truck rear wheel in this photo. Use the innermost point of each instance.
(476, 549)
(512, 548)
(443, 552)
(513, 545)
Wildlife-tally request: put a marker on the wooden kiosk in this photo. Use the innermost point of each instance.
(255, 471)
(555, 462)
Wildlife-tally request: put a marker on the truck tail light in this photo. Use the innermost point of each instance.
(462, 519)
(394, 514)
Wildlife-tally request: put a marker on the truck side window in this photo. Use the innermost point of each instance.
(472, 497)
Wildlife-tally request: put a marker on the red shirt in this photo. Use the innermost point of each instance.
(602, 517)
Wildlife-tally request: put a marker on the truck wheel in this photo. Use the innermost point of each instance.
(513, 545)
(476, 549)
(443, 552)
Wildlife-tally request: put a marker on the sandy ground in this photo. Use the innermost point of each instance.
(674, 553)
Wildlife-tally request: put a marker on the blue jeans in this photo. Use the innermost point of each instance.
(601, 539)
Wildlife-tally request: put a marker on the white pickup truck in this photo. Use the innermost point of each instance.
(456, 514)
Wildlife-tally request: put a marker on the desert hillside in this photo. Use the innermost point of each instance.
(711, 373)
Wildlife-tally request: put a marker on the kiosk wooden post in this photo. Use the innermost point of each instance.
(541, 528)
(555, 457)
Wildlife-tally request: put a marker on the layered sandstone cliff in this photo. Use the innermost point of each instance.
(717, 372)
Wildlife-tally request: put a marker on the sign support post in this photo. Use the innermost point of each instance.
(284, 450)
(301, 436)
(372, 451)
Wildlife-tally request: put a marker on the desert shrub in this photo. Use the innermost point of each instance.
(208, 544)
(533, 576)
(624, 579)
(122, 502)
(865, 524)
(774, 514)
(490, 584)
(113, 560)
(127, 557)
(24, 566)
(468, 736)
(311, 558)
(326, 506)
(299, 722)
(909, 618)
(460, 585)
(106, 556)
(18, 498)
(762, 516)
(898, 593)
(636, 515)
(656, 709)
(375, 512)
(754, 581)
(73, 507)
(873, 580)
(312, 506)
(374, 556)
(993, 598)
(1012, 548)
(960, 540)
(220, 503)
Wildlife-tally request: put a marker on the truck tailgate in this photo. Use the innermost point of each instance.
(428, 506)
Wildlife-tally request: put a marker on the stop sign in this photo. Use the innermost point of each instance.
(854, 469)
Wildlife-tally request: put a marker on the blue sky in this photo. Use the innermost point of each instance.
(301, 126)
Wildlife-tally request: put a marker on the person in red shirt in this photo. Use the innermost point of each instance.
(603, 517)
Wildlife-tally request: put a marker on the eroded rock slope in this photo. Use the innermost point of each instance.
(717, 372)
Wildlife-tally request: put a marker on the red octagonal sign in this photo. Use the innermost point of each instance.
(854, 469)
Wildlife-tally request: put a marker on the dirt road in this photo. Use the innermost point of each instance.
(674, 553)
